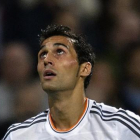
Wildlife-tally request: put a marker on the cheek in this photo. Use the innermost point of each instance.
(71, 63)
(39, 68)
(71, 67)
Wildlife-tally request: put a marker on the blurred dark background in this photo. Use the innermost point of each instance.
(113, 29)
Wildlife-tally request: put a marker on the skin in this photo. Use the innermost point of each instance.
(65, 89)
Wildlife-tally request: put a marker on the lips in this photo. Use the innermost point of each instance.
(48, 74)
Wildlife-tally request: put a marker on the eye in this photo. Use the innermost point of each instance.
(43, 55)
(60, 51)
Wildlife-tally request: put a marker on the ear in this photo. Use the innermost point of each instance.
(85, 69)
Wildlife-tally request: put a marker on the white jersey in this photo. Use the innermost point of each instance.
(98, 122)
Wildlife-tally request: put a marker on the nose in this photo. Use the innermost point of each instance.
(48, 60)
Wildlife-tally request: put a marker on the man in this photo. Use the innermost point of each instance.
(65, 63)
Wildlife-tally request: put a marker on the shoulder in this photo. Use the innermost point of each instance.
(124, 119)
(41, 117)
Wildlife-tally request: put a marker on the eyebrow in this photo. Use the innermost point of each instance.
(61, 44)
(56, 44)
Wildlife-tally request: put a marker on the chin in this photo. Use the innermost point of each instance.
(48, 88)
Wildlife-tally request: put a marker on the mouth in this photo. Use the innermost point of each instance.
(49, 74)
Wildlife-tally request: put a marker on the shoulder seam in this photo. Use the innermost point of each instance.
(110, 116)
(34, 120)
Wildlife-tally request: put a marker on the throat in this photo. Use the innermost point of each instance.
(66, 120)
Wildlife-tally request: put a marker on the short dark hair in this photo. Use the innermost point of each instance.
(83, 49)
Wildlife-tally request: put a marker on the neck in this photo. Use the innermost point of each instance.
(66, 108)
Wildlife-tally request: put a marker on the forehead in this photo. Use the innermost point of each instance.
(58, 39)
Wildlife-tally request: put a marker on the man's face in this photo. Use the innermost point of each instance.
(58, 66)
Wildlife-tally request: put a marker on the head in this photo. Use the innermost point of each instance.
(17, 63)
(83, 49)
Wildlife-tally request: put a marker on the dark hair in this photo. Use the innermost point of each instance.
(83, 49)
